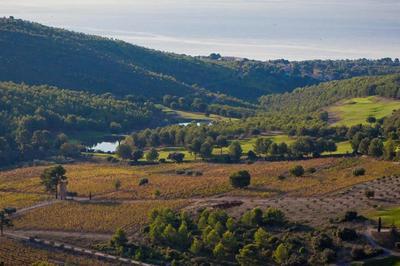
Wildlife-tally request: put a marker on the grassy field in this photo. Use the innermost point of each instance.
(389, 216)
(93, 217)
(20, 200)
(355, 111)
(193, 116)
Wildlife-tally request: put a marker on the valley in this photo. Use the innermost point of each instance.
(115, 154)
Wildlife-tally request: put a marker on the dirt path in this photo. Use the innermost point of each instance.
(62, 234)
(36, 206)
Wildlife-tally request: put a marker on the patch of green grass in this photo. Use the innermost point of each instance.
(193, 116)
(389, 216)
(357, 110)
(343, 147)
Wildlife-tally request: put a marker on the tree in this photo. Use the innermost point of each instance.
(371, 119)
(137, 155)
(206, 150)
(196, 247)
(251, 156)
(221, 142)
(273, 216)
(363, 146)
(249, 256)
(152, 155)
(117, 184)
(5, 218)
(219, 251)
(119, 239)
(124, 151)
(261, 238)
(253, 217)
(375, 148)
(281, 254)
(70, 149)
(51, 178)
(195, 146)
(298, 170)
(389, 150)
(229, 242)
(176, 157)
(240, 179)
(235, 151)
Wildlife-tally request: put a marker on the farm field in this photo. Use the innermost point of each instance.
(93, 217)
(99, 179)
(20, 200)
(355, 111)
(19, 253)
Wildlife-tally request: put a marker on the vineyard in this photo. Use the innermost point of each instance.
(99, 179)
(15, 253)
(93, 217)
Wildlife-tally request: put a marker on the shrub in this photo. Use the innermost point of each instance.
(347, 234)
(274, 216)
(357, 253)
(350, 216)
(321, 242)
(240, 179)
(370, 193)
(298, 170)
(180, 172)
(311, 170)
(328, 255)
(143, 181)
(176, 157)
(359, 171)
(281, 177)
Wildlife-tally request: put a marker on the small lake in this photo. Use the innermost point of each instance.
(105, 146)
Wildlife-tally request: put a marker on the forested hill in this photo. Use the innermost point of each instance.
(36, 54)
(33, 118)
(312, 98)
(30, 108)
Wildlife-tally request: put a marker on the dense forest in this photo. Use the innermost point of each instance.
(84, 62)
(33, 116)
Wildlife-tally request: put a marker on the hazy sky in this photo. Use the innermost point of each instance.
(261, 29)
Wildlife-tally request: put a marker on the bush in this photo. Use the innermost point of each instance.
(143, 181)
(281, 177)
(240, 179)
(311, 170)
(370, 193)
(298, 170)
(274, 216)
(357, 253)
(359, 172)
(350, 216)
(347, 234)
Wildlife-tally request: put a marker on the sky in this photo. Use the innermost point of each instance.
(256, 29)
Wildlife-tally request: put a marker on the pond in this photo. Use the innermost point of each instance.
(105, 146)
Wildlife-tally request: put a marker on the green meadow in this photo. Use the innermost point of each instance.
(389, 216)
(356, 110)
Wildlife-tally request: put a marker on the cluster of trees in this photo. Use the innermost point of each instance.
(302, 146)
(33, 119)
(255, 238)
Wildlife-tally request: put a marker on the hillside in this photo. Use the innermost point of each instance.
(45, 55)
(312, 98)
(32, 117)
